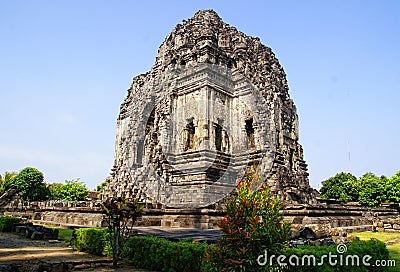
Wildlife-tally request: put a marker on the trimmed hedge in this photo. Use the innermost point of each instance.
(159, 254)
(92, 240)
(6, 223)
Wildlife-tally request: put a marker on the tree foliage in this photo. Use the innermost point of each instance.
(30, 184)
(252, 225)
(100, 188)
(6, 181)
(71, 190)
(372, 190)
(342, 186)
(369, 190)
(392, 188)
(55, 189)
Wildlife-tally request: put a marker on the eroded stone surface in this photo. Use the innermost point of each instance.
(215, 102)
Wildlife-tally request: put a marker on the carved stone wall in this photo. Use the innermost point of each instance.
(215, 102)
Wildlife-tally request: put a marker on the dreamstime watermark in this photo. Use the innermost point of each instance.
(333, 259)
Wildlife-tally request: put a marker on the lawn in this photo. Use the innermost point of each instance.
(381, 236)
(394, 254)
(65, 234)
(394, 250)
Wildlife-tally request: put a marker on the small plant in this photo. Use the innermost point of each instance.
(6, 223)
(91, 240)
(120, 215)
(252, 225)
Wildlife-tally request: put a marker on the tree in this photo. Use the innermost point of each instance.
(252, 225)
(100, 188)
(71, 190)
(342, 186)
(55, 189)
(392, 188)
(6, 181)
(372, 190)
(120, 215)
(29, 183)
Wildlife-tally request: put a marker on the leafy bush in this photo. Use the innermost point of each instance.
(372, 190)
(153, 253)
(158, 254)
(71, 190)
(392, 188)
(252, 225)
(6, 223)
(6, 181)
(91, 240)
(29, 182)
(343, 186)
(376, 249)
(120, 215)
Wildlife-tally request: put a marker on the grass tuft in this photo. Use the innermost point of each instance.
(381, 236)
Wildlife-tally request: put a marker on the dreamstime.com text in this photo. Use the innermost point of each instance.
(333, 259)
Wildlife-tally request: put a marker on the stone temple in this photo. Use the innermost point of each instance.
(215, 103)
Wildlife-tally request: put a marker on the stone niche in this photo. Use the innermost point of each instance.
(215, 103)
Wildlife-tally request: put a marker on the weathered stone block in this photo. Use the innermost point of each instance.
(307, 233)
(37, 235)
(20, 229)
(391, 230)
(294, 233)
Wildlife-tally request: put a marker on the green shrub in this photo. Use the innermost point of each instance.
(6, 223)
(158, 254)
(153, 253)
(91, 240)
(253, 224)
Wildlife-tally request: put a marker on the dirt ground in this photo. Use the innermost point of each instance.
(21, 254)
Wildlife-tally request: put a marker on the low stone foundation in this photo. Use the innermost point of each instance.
(390, 224)
(88, 214)
(64, 214)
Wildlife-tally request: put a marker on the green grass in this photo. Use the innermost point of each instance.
(65, 234)
(394, 250)
(394, 254)
(381, 236)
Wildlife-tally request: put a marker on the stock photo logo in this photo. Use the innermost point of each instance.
(340, 258)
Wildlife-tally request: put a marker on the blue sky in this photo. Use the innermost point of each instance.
(65, 67)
